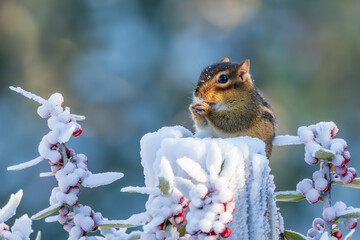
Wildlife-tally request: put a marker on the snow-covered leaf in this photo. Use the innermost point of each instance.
(46, 212)
(350, 213)
(23, 225)
(52, 219)
(142, 190)
(47, 174)
(193, 169)
(100, 179)
(171, 232)
(78, 117)
(38, 236)
(354, 184)
(9, 209)
(349, 235)
(214, 159)
(184, 186)
(291, 235)
(115, 224)
(165, 186)
(324, 155)
(25, 164)
(289, 196)
(166, 171)
(286, 140)
(134, 236)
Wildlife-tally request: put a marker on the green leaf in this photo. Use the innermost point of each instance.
(289, 196)
(324, 155)
(291, 235)
(2, 238)
(46, 212)
(164, 186)
(354, 184)
(351, 213)
(349, 235)
(182, 230)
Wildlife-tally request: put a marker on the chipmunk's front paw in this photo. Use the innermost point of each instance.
(199, 108)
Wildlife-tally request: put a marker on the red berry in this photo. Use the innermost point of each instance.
(77, 132)
(63, 211)
(226, 232)
(179, 219)
(350, 223)
(342, 171)
(337, 234)
(334, 131)
(353, 171)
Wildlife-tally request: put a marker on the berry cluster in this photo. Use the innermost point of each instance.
(79, 222)
(69, 178)
(319, 137)
(165, 208)
(211, 208)
(329, 215)
(333, 154)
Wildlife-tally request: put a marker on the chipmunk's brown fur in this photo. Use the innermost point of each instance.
(234, 108)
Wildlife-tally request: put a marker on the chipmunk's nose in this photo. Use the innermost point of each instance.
(197, 92)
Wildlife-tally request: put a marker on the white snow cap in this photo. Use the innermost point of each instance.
(215, 175)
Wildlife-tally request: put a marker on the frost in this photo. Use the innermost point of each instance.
(210, 178)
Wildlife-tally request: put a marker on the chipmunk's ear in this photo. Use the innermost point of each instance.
(243, 69)
(225, 60)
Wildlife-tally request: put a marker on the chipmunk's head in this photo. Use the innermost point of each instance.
(224, 83)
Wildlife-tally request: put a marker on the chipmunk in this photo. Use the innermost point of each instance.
(226, 103)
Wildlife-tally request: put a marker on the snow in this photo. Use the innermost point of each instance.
(9, 210)
(215, 175)
(100, 179)
(22, 227)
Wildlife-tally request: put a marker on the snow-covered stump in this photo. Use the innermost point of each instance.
(213, 176)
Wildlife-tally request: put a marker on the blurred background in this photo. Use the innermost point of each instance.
(130, 67)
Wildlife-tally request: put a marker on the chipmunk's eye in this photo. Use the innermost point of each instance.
(223, 79)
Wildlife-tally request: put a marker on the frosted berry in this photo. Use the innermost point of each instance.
(313, 233)
(304, 186)
(329, 214)
(334, 131)
(353, 171)
(348, 178)
(318, 174)
(337, 234)
(313, 196)
(350, 223)
(179, 219)
(226, 232)
(318, 224)
(321, 184)
(346, 156)
(342, 171)
(77, 132)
